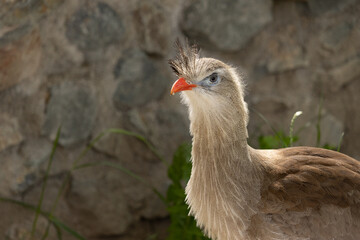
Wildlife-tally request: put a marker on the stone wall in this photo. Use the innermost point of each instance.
(93, 65)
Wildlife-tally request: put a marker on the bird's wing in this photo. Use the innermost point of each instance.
(304, 178)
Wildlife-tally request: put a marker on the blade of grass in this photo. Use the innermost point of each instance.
(68, 174)
(91, 145)
(142, 139)
(114, 165)
(125, 170)
(271, 127)
(55, 221)
(58, 232)
(46, 233)
(340, 141)
(302, 128)
(123, 132)
(291, 132)
(57, 199)
(66, 228)
(60, 192)
(318, 123)
(88, 147)
(44, 183)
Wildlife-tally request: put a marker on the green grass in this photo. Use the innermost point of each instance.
(38, 209)
(57, 223)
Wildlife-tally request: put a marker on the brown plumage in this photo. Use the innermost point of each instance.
(237, 192)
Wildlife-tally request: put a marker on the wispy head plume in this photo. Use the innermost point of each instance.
(184, 63)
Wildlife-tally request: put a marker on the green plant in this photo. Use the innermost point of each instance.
(278, 140)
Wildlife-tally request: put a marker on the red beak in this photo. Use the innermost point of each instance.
(181, 85)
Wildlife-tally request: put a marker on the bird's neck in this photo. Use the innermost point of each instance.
(224, 178)
(221, 142)
(220, 135)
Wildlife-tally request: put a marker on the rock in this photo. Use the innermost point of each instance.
(15, 13)
(288, 60)
(271, 104)
(12, 174)
(73, 107)
(116, 145)
(344, 73)
(153, 27)
(331, 130)
(21, 167)
(154, 208)
(139, 79)
(326, 6)
(228, 25)
(168, 129)
(14, 34)
(335, 35)
(137, 120)
(18, 232)
(285, 51)
(95, 26)
(59, 56)
(35, 152)
(19, 49)
(96, 198)
(22, 230)
(10, 133)
(164, 126)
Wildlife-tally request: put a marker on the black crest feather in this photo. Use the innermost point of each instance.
(184, 62)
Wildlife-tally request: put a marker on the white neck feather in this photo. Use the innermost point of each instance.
(225, 184)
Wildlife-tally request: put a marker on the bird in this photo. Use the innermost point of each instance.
(238, 192)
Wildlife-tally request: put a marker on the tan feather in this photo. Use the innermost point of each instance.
(237, 192)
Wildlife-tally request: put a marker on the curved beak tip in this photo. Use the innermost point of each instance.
(181, 85)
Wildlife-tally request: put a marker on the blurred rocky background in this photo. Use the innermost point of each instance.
(93, 65)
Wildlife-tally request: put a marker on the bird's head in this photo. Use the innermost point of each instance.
(208, 85)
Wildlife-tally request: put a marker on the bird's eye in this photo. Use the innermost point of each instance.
(210, 81)
(213, 79)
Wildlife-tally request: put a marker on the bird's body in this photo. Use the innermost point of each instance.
(237, 192)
